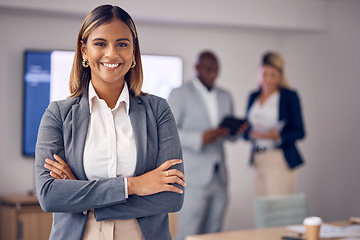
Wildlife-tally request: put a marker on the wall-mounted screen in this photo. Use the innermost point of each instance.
(46, 79)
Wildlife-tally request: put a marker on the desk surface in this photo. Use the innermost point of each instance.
(253, 234)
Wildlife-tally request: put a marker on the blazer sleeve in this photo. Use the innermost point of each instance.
(251, 100)
(57, 195)
(160, 203)
(291, 111)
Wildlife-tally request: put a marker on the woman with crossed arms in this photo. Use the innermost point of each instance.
(108, 158)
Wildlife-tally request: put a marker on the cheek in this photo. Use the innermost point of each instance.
(276, 80)
(93, 56)
(128, 57)
(128, 62)
(265, 78)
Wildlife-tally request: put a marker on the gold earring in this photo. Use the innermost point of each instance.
(85, 63)
(133, 64)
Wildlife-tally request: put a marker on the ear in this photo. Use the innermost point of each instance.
(83, 50)
(197, 67)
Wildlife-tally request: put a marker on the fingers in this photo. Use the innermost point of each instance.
(175, 179)
(212, 135)
(222, 130)
(54, 171)
(55, 175)
(225, 132)
(158, 180)
(175, 172)
(55, 166)
(243, 127)
(171, 188)
(59, 168)
(174, 176)
(169, 163)
(58, 165)
(59, 159)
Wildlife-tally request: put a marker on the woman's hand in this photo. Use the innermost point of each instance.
(157, 180)
(59, 169)
(242, 128)
(272, 134)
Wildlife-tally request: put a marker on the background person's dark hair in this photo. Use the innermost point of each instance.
(208, 53)
(80, 76)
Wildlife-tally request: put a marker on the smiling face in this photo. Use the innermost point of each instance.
(110, 51)
(269, 78)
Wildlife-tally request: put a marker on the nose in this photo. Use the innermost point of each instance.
(110, 51)
(212, 73)
(266, 78)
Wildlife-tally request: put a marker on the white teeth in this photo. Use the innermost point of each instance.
(111, 65)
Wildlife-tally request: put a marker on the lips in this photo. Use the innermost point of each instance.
(110, 65)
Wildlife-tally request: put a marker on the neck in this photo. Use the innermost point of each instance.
(209, 88)
(266, 91)
(109, 93)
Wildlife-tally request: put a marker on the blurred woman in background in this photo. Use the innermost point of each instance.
(275, 118)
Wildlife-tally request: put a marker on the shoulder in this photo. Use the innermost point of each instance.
(223, 91)
(183, 93)
(68, 102)
(185, 87)
(63, 107)
(154, 106)
(150, 99)
(254, 94)
(224, 94)
(288, 93)
(153, 102)
(252, 97)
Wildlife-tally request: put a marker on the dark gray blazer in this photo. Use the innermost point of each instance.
(63, 130)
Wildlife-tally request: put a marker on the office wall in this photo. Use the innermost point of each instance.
(322, 64)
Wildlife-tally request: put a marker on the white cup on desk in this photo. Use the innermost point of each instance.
(312, 226)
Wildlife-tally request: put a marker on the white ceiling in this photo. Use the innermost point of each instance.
(270, 14)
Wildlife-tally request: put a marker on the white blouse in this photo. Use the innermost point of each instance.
(110, 149)
(264, 117)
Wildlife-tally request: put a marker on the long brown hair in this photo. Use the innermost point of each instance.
(80, 76)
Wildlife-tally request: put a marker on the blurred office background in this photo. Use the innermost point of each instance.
(319, 40)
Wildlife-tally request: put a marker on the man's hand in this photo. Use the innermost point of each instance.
(213, 134)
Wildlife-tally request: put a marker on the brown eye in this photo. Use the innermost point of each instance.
(100, 44)
(122, 45)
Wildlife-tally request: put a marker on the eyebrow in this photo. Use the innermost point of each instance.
(117, 40)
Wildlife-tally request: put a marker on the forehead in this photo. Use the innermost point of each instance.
(208, 61)
(114, 29)
(268, 68)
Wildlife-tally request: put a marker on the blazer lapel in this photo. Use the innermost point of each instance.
(138, 122)
(202, 110)
(80, 123)
(282, 105)
(222, 105)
